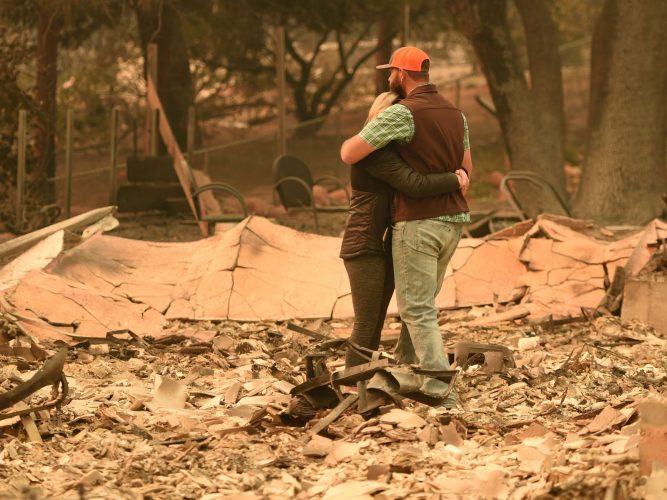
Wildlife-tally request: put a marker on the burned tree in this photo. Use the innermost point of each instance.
(625, 171)
(530, 113)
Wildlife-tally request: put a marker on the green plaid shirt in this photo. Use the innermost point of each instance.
(396, 124)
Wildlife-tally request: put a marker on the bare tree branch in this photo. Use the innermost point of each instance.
(318, 46)
(341, 53)
(291, 50)
(318, 96)
(333, 97)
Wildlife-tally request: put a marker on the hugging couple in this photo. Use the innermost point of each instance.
(410, 168)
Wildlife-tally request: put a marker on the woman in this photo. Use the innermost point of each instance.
(366, 249)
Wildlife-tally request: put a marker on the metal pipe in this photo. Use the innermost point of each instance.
(84, 173)
(68, 164)
(192, 123)
(20, 172)
(112, 156)
(280, 84)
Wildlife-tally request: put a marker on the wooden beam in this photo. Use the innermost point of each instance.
(181, 167)
(322, 424)
(19, 244)
(510, 314)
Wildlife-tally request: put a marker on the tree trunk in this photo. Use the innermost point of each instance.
(625, 172)
(546, 79)
(49, 24)
(532, 134)
(385, 34)
(159, 22)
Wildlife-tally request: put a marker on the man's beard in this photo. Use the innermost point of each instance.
(397, 87)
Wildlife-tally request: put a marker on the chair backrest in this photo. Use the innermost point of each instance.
(293, 181)
(532, 195)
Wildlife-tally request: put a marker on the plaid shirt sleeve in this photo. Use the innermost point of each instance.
(466, 136)
(394, 124)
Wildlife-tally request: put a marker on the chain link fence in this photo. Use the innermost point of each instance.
(96, 169)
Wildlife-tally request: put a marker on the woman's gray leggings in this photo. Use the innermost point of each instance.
(372, 285)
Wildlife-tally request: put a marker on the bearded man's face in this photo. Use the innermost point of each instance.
(395, 84)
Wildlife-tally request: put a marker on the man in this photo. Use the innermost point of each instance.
(431, 136)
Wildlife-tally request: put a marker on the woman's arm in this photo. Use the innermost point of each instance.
(386, 165)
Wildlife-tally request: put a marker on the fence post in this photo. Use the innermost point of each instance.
(20, 172)
(112, 156)
(155, 120)
(151, 71)
(405, 32)
(280, 84)
(135, 137)
(68, 164)
(192, 123)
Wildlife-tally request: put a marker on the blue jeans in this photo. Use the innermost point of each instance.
(421, 251)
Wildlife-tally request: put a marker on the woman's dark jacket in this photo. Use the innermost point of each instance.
(374, 180)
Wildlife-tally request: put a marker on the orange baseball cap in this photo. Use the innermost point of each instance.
(408, 58)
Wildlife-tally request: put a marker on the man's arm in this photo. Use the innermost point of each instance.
(355, 149)
(394, 124)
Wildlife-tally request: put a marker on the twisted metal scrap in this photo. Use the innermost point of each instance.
(51, 373)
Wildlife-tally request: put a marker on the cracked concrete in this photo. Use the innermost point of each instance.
(262, 271)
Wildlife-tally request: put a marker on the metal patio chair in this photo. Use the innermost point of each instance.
(531, 195)
(222, 187)
(294, 184)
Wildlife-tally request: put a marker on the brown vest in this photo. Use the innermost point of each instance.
(437, 146)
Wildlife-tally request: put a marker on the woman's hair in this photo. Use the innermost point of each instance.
(381, 102)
